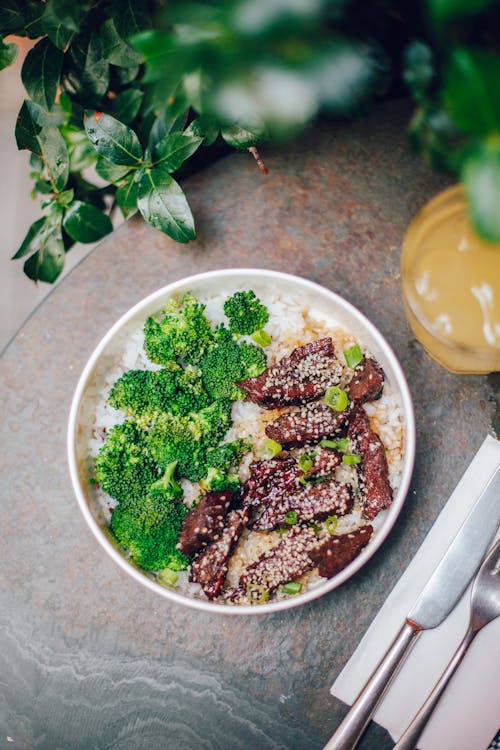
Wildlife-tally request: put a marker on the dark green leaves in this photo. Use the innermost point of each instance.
(8, 54)
(163, 205)
(44, 140)
(115, 49)
(174, 149)
(240, 138)
(112, 139)
(471, 90)
(41, 72)
(61, 20)
(85, 223)
(481, 176)
(44, 244)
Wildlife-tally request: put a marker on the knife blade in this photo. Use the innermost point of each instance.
(439, 596)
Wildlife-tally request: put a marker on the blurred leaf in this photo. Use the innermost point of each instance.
(8, 53)
(419, 68)
(47, 263)
(115, 49)
(123, 76)
(481, 177)
(46, 141)
(471, 90)
(164, 205)
(174, 149)
(21, 17)
(126, 197)
(240, 138)
(109, 171)
(206, 127)
(443, 11)
(85, 223)
(127, 105)
(41, 72)
(65, 198)
(112, 139)
(130, 17)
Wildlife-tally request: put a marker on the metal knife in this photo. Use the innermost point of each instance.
(439, 596)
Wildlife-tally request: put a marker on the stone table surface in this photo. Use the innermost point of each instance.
(88, 657)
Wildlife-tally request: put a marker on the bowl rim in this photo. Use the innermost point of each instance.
(391, 514)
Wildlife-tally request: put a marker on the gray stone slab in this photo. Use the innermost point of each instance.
(88, 658)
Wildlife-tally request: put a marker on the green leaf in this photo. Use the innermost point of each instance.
(445, 10)
(206, 127)
(21, 17)
(126, 197)
(95, 75)
(419, 69)
(240, 138)
(127, 105)
(41, 72)
(174, 149)
(46, 141)
(115, 49)
(85, 223)
(110, 172)
(471, 90)
(61, 20)
(112, 139)
(81, 153)
(8, 53)
(47, 264)
(164, 205)
(481, 177)
(130, 17)
(35, 237)
(65, 198)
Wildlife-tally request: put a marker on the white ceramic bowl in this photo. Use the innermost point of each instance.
(323, 303)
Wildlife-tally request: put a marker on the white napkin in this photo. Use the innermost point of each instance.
(468, 715)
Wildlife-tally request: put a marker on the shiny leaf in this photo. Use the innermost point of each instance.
(112, 139)
(85, 223)
(110, 172)
(41, 72)
(127, 105)
(126, 197)
(47, 263)
(174, 149)
(115, 49)
(164, 205)
(35, 237)
(44, 140)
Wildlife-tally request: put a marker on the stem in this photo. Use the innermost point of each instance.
(258, 159)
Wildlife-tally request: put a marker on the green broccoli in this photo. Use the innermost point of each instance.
(123, 466)
(172, 389)
(186, 439)
(246, 313)
(180, 335)
(226, 361)
(227, 456)
(217, 481)
(149, 528)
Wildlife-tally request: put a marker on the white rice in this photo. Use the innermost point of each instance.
(291, 324)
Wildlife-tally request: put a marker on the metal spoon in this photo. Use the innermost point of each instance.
(484, 607)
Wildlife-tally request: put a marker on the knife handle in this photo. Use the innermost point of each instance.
(353, 725)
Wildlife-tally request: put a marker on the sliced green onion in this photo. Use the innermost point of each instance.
(262, 338)
(292, 587)
(269, 449)
(282, 530)
(291, 517)
(331, 524)
(353, 356)
(341, 444)
(256, 594)
(336, 398)
(351, 458)
(168, 577)
(305, 462)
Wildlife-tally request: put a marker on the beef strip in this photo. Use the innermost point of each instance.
(333, 555)
(285, 562)
(302, 376)
(311, 502)
(210, 566)
(205, 522)
(367, 382)
(310, 424)
(376, 490)
(325, 461)
(270, 479)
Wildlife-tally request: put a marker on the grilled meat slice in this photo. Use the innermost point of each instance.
(325, 461)
(285, 562)
(302, 376)
(210, 566)
(376, 490)
(269, 479)
(311, 502)
(337, 552)
(367, 382)
(205, 522)
(310, 424)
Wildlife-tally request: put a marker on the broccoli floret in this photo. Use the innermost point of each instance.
(227, 456)
(217, 481)
(123, 465)
(246, 313)
(181, 335)
(227, 361)
(186, 439)
(172, 389)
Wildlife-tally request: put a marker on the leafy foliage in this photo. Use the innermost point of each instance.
(121, 93)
